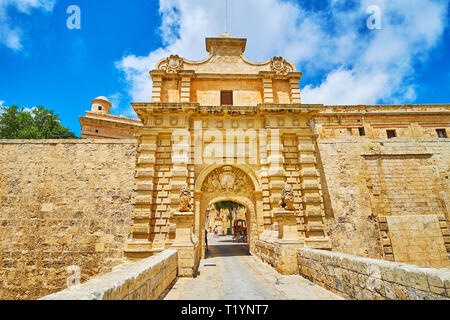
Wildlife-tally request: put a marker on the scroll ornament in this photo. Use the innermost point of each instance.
(280, 66)
(172, 64)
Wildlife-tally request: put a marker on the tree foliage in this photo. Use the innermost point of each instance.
(233, 207)
(37, 123)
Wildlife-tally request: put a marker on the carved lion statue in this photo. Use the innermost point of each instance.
(185, 200)
(287, 198)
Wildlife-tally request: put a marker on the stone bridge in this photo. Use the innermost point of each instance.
(230, 272)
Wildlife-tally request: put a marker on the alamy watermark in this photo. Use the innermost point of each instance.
(74, 278)
(236, 146)
(374, 21)
(73, 22)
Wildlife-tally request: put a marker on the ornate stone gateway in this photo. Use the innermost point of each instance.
(246, 152)
(229, 183)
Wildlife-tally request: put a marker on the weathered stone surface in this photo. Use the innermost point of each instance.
(147, 279)
(369, 279)
(387, 191)
(62, 203)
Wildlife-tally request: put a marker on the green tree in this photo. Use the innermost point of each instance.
(232, 207)
(37, 123)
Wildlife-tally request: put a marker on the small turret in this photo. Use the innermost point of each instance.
(101, 105)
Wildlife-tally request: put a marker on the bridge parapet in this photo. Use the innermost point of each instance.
(147, 279)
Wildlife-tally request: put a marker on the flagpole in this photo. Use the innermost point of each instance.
(226, 16)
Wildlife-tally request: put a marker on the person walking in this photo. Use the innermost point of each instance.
(206, 239)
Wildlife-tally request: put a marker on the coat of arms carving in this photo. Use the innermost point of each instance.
(227, 179)
(280, 66)
(172, 64)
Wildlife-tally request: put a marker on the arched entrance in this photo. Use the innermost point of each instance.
(227, 183)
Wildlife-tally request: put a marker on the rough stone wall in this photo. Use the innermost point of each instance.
(62, 203)
(370, 279)
(365, 180)
(350, 223)
(282, 258)
(147, 279)
(417, 239)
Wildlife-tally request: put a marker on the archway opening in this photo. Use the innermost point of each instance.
(219, 183)
(227, 227)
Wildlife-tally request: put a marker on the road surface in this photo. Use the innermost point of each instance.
(229, 272)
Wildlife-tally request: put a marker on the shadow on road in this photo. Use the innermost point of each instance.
(226, 247)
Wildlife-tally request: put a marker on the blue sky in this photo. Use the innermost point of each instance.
(42, 62)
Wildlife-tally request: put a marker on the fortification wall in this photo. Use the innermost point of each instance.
(62, 203)
(369, 279)
(366, 182)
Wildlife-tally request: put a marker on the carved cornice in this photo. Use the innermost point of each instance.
(143, 109)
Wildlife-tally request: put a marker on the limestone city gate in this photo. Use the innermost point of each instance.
(252, 107)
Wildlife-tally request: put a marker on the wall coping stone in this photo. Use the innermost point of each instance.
(407, 275)
(400, 140)
(71, 141)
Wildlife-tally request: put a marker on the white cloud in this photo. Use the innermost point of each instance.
(357, 65)
(10, 33)
(29, 110)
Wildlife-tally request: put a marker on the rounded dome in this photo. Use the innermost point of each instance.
(102, 98)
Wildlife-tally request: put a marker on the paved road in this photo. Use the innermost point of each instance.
(229, 272)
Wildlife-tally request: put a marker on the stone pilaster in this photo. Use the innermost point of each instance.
(140, 245)
(292, 172)
(275, 172)
(265, 201)
(185, 89)
(267, 80)
(162, 202)
(294, 82)
(157, 77)
(313, 202)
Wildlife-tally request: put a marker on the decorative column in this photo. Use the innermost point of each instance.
(185, 243)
